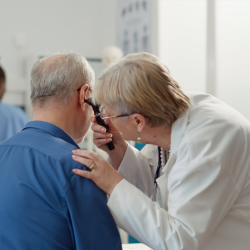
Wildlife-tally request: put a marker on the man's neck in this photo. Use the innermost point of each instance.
(56, 116)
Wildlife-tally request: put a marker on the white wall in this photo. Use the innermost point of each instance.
(182, 46)
(233, 54)
(182, 41)
(52, 26)
(87, 27)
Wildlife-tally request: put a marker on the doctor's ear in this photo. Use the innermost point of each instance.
(140, 121)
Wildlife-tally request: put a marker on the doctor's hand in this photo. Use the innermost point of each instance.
(101, 138)
(102, 173)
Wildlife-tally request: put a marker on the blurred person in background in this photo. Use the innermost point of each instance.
(189, 187)
(43, 205)
(12, 118)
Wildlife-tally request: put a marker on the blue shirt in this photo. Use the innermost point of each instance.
(12, 120)
(43, 205)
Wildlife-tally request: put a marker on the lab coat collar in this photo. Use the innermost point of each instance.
(178, 130)
(51, 129)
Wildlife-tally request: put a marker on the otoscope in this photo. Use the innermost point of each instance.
(99, 120)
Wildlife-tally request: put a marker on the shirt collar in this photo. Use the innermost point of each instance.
(51, 129)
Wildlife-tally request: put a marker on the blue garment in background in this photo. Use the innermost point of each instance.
(43, 205)
(12, 120)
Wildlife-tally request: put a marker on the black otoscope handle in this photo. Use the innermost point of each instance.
(99, 120)
(102, 123)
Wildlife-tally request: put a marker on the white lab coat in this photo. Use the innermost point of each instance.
(205, 186)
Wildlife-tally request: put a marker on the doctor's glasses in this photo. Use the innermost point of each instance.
(102, 113)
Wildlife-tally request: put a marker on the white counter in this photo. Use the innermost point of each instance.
(135, 247)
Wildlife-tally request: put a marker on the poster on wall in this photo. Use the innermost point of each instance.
(134, 29)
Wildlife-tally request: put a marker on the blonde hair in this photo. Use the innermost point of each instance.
(141, 83)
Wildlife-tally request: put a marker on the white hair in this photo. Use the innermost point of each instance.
(59, 76)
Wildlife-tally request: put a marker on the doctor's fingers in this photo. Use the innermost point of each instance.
(83, 173)
(97, 135)
(98, 128)
(102, 139)
(84, 161)
(102, 174)
(98, 172)
(99, 143)
(86, 154)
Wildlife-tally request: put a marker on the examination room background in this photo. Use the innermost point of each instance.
(191, 39)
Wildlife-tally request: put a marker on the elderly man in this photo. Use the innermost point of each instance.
(43, 205)
(12, 118)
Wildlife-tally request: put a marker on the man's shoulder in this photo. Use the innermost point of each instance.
(43, 145)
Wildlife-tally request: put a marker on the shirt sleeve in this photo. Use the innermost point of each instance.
(137, 169)
(199, 197)
(92, 225)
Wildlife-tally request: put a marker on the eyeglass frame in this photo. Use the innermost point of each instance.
(115, 116)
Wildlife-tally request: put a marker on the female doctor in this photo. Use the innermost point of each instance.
(189, 188)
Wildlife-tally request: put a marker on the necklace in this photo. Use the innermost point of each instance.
(163, 158)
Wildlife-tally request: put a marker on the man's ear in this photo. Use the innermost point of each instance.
(139, 121)
(84, 95)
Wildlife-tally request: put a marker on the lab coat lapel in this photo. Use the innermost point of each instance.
(178, 130)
